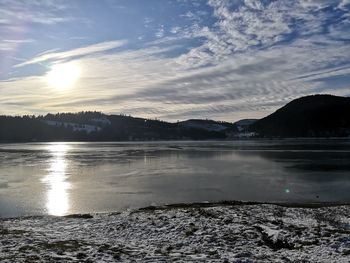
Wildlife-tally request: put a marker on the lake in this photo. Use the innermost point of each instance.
(65, 178)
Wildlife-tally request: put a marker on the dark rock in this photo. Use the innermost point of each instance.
(84, 216)
(81, 255)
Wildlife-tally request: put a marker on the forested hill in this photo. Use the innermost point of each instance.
(95, 126)
(310, 116)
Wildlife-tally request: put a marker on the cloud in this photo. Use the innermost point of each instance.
(160, 32)
(196, 16)
(247, 25)
(38, 11)
(160, 87)
(12, 44)
(253, 58)
(83, 51)
(344, 4)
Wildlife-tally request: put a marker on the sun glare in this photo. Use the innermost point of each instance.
(56, 180)
(63, 76)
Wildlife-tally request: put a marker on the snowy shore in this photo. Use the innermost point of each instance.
(188, 233)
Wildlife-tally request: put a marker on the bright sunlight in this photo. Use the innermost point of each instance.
(63, 76)
(56, 180)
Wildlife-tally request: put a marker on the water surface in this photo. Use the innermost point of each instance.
(64, 178)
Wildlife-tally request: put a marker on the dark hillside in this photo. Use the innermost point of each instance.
(95, 126)
(310, 116)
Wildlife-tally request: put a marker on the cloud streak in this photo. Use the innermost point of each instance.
(79, 52)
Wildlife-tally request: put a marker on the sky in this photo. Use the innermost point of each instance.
(171, 60)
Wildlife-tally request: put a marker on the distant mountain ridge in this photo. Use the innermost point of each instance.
(96, 126)
(310, 116)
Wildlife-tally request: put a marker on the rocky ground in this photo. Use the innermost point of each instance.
(183, 233)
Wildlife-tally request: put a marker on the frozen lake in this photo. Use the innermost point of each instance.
(64, 178)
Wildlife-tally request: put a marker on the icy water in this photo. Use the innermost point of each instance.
(66, 178)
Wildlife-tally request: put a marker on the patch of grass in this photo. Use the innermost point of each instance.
(62, 245)
(28, 248)
(274, 244)
(326, 217)
(5, 231)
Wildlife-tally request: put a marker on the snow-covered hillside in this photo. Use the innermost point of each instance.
(242, 125)
(102, 120)
(75, 126)
(208, 125)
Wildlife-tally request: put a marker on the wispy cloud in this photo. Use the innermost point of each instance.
(39, 11)
(83, 51)
(12, 44)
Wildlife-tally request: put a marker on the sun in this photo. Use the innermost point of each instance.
(63, 76)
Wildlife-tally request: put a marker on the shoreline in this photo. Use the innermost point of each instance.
(198, 232)
(244, 203)
(204, 204)
(347, 138)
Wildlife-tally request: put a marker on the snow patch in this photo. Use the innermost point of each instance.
(74, 126)
(238, 233)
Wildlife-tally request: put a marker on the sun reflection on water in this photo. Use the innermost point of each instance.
(57, 194)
